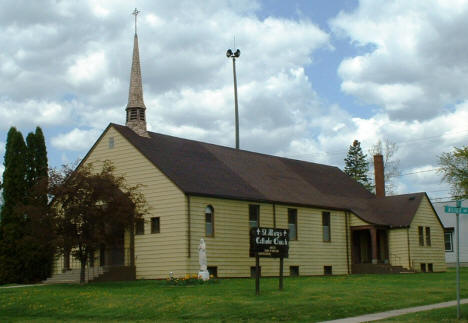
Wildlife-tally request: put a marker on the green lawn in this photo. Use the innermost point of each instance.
(304, 299)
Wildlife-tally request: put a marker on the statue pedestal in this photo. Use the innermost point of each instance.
(205, 275)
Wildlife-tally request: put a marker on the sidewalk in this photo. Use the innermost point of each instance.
(20, 286)
(384, 315)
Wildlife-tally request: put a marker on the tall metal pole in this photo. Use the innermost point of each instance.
(235, 100)
(458, 258)
(233, 55)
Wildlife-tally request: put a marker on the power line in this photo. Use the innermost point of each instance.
(342, 152)
(449, 198)
(437, 191)
(421, 171)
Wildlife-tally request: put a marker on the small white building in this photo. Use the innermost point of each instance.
(449, 222)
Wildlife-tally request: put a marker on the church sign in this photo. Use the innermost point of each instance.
(269, 242)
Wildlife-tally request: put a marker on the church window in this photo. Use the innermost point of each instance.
(139, 226)
(209, 221)
(421, 236)
(326, 226)
(292, 224)
(155, 224)
(254, 215)
(428, 236)
(111, 142)
(142, 115)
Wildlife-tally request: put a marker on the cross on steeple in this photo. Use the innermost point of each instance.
(135, 13)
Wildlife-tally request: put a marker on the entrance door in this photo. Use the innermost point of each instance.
(361, 247)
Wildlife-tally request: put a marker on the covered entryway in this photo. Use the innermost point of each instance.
(369, 246)
(113, 254)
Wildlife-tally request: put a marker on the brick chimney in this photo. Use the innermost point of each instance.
(379, 176)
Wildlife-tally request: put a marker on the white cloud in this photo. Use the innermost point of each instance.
(87, 68)
(414, 65)
(33, 112)
(76, 140)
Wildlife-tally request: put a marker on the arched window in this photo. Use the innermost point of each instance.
(209, 221)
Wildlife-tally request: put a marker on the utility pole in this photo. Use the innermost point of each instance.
(234, 55)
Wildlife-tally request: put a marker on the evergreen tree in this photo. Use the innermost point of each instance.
(37, 168)
(27, 225)
(356, 165)
(14, 192)
(14, 183)
(38, 242)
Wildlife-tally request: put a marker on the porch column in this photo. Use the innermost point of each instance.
(373, 232)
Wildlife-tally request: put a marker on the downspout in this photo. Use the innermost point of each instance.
(274, 215)
(188, 227)
(347, 241)
(132, 245)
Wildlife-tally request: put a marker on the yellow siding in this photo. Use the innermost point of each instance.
(155, 254)
(435, 254)
(356, 221)
(229, 248)
(398, 247)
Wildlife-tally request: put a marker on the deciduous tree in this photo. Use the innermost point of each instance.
(392, 170)
(454, 166)
(93, 208)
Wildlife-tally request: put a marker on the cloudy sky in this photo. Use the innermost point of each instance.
(312, 77)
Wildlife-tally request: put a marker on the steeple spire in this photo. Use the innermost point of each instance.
(136, 118)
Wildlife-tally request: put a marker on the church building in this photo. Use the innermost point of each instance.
(199, 190)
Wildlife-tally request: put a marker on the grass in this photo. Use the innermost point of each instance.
(305, 299)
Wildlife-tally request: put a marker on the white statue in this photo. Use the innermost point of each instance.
(203, 274)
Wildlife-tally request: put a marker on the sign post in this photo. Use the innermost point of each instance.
(281, 274)
(268, 243)
(457, 210)
(257, 274)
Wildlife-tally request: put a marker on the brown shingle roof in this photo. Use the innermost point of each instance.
(199, 168)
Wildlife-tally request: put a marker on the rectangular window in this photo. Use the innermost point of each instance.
(327, 270)
(292, 224)
(155, 223)
(448, 238)
(428, 236)
(423, 268)
(294, 271)
(111, 142)
(254, 215)
(140, 226)
(209, 221)
(421, 236)
(326, 226)
(430, 268)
